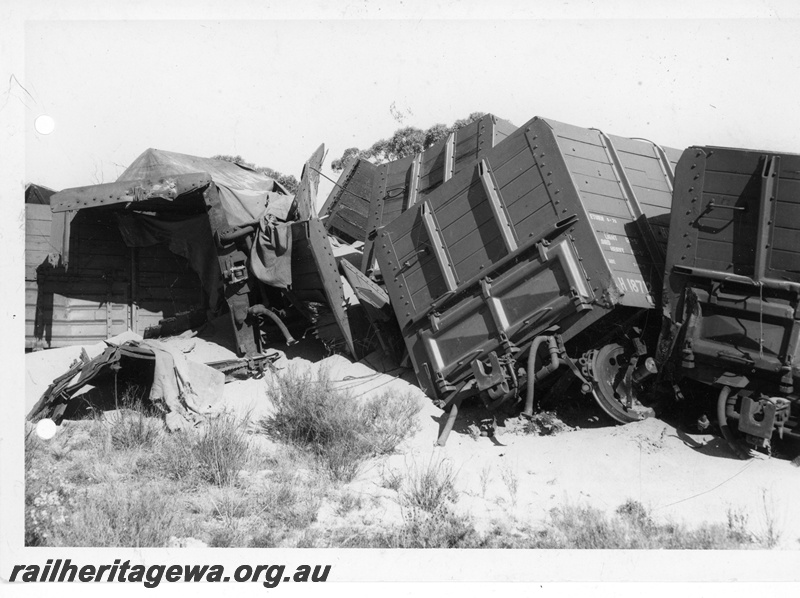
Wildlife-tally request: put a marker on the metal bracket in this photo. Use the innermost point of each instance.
(713, 295)
(442, 384)
(586, 386)
(235, 271)
(434, 320)
(761, 428)
(496, 376)
(541, 247)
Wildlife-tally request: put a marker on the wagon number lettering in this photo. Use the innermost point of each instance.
(601, 218)
(636, 286)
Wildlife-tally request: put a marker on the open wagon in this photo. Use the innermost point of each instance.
(546, 253)
(732, 286)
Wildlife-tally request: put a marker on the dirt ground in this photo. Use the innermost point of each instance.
(678, 476)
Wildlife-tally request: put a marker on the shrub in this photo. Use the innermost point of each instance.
(221, 450)
(119, 516)
(544, 423)
(440, 528)
(389, 420)
(176, 458)
(33, 446)
(428, 487)
(392, 479)
(136, 424)
(339, 429)
(632, 527)
(348, 502)
(635, 512)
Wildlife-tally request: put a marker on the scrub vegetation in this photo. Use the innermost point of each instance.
(121, 479)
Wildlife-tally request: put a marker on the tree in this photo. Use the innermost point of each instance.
(287, 180)
(404, 142)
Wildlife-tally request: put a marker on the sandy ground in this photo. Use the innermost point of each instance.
(680, 477)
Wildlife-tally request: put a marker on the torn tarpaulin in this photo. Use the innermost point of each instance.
(184, 390)
(271, 254)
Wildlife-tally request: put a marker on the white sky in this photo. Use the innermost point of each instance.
(273, 90)
(118, 78)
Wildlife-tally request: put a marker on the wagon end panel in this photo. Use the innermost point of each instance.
(407, 181)
(482, 265)
(346, 210)
(732, 279)
(500, 316)
(609, 180)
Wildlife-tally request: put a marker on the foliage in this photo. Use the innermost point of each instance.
(81, 490)
(142, 516)
(222, 450)
(431, 486)
(544, 423)
(135, 424)
(341, 430)
(287, 180)
(404, 142)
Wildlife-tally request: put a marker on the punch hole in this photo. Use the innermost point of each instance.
(44, 124)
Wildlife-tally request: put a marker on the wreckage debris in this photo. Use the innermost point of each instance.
(553, 236)
(499, 258)
(183, 390)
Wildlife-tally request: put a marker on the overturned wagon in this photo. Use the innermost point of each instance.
(547, 252)
(732, 286)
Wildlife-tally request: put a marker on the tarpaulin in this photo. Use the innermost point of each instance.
(187, 236)
(153, 163)
(271, 254)
(184, 388)
(243, 192)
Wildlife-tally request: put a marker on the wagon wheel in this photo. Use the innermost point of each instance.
(616, 396)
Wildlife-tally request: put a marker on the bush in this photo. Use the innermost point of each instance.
(33, 445)
(119, 516)
(136, 424)
(633, 527)
(340, 430)
(176, 458)
(440, 528)
(221, 450)
(429, 487)
(545, 423)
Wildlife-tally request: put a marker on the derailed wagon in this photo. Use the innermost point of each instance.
(732, 287)
(547, 252)
(253, 248)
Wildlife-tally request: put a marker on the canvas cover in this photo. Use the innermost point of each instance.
(187, 236)
(243, 191)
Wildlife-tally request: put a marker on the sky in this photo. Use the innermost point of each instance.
(273, 90)
(272, 80)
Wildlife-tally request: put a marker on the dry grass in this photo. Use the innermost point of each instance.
(137, 424)
(630, 527)
(341, 430)
(429, 486)
(221, 450)
(511, 482)
(144, 516)
(127, 482)
(83, 488)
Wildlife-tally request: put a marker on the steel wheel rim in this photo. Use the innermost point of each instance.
(608, 369)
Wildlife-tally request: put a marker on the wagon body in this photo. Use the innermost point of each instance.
(732, 282)
(550, 231)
